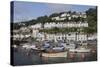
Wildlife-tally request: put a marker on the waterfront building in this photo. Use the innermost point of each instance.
(67, 36)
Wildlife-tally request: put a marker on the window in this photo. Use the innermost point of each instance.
(69, 34)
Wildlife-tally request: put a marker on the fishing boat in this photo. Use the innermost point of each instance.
(80, 50)
(56, 51)
(53, 54)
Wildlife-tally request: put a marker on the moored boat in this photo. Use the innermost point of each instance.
(80, 50)
(53, 54)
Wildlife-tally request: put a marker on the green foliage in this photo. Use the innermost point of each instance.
(89, 30)
(15, 26)
(92, 19)
(54, 15)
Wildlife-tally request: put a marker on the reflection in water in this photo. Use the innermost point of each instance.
(27, 57)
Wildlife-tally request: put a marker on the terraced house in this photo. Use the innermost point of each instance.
(66, 26)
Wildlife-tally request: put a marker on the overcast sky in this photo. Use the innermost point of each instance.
(24, 11)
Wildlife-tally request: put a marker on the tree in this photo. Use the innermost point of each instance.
(92, 19)
(54, 15)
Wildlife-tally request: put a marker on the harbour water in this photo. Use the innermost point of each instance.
(27, 57)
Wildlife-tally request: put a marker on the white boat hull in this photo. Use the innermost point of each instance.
(60, 54)
(79, 50)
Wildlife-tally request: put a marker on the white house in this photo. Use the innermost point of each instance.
(82, 37)
(37, 26)
(75, 16)
(63, 15)
(55, 18)
(58, 18)
(83, 15)
(64, 25)
(67, 36)
(92, 37)
(35, 32)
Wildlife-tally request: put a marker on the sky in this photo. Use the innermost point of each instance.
(24, 11)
